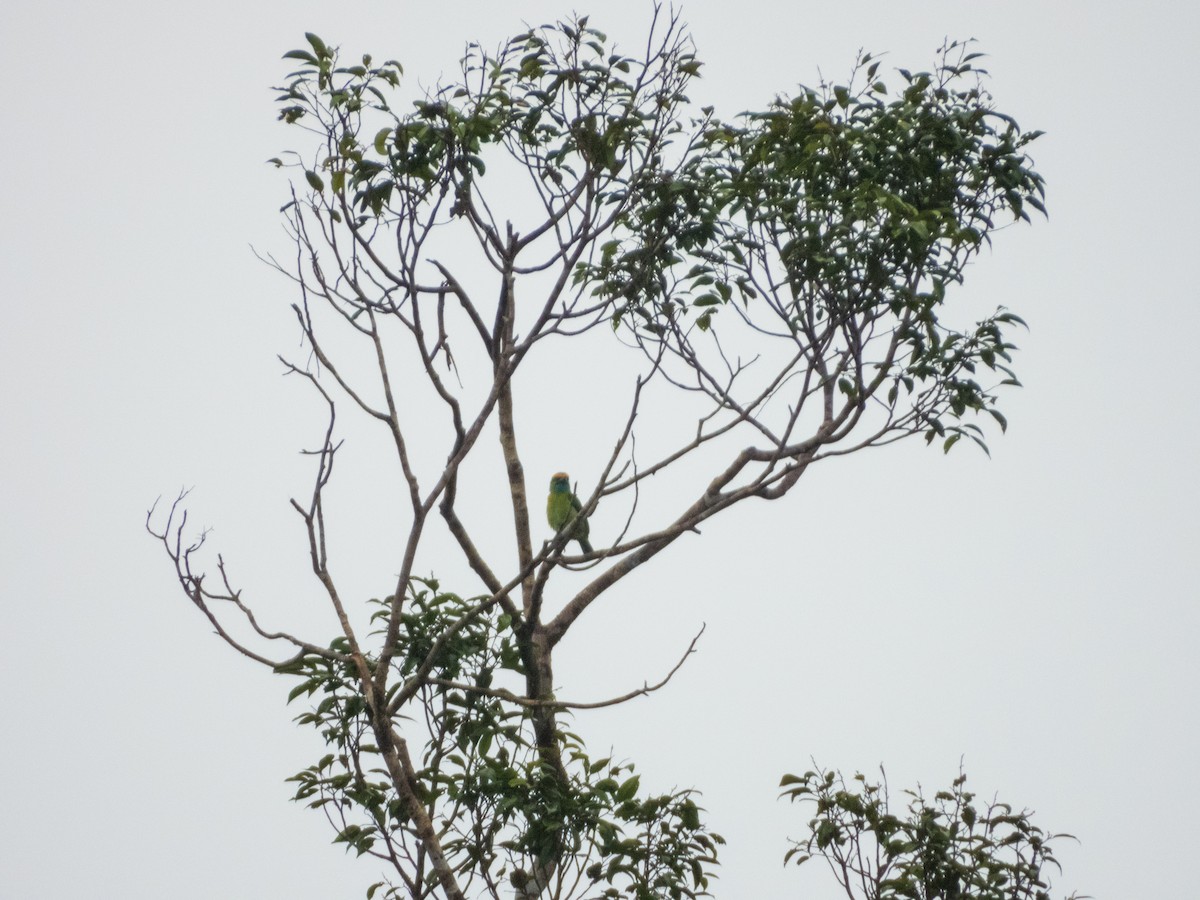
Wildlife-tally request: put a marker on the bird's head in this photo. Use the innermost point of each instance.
(560, 482)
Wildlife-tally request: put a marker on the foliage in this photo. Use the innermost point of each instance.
(506, 811)
(940, 848)
(847, 213)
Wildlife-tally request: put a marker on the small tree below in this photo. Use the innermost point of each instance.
(941, 848)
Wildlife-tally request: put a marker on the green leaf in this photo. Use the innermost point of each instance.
(689, 815)
(627, 790)
(381, 139)
(314, 180)
(318, 45)
(298, 690)
(300, 54)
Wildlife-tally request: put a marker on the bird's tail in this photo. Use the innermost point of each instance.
(583, 543)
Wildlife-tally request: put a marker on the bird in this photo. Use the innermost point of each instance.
(563, 507)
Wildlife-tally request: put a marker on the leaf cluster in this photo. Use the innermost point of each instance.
(848, 211)
(945, 847)
(578, 115)
(505, 810)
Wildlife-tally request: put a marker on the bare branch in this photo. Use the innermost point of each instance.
(551, 703)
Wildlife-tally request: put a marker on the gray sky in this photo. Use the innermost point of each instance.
(1034, 615)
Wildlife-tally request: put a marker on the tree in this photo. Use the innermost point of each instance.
(947, 846)
(780, 281)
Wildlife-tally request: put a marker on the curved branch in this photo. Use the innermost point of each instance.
(527, 703)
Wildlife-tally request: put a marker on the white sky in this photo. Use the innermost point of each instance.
(1034, 614)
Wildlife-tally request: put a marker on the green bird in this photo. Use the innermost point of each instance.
(563, 507)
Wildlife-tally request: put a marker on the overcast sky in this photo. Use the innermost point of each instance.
(1034, 615)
